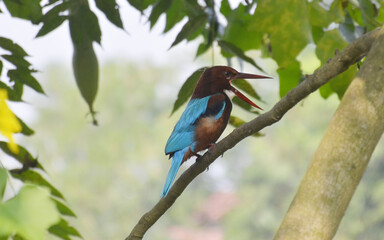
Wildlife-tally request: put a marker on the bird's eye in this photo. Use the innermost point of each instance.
(227, 75)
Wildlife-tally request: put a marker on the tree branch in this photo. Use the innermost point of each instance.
(338, 64)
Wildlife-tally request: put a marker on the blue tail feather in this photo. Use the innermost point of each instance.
(176, 162)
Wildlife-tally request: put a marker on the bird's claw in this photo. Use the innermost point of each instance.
(211, 146)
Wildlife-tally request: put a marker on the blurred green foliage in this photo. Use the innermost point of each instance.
(114, 173)
(120, 162)
(19, 214)
(20, 207)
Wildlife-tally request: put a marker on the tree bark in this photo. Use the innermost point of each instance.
(342, 156)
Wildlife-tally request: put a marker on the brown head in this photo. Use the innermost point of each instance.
(217, 79)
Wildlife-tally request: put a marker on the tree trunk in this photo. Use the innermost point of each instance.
(342, 156)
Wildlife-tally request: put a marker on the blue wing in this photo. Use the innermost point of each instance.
(184, 131)
(183, 134)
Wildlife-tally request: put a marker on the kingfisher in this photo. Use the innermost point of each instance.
(205, 117)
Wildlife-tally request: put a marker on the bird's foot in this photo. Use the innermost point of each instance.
(211, 146)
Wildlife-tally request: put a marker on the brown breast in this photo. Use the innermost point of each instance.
(208, 129)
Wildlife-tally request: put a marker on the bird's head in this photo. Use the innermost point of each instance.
(217, 79)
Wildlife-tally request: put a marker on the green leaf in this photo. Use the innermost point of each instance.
(3, 182)
(91, 24)
(51, 25)
(234, 50)
(247, 107)
(18, 90)
(174, 15)
(187, 89)
(194, 9)
(24, 76)
(209, 3)
(325, 50)
(336, 11)
(287, 25)
(340, 83)
(27, 131)
(63, 209)
(355, 13)
(84, 25)
(321, 17)
(30, 176)
(23, 157)
(380, 14)
(201, 31)
(326, 91)
(225, 8)
(289, 77)
(111, 11)
(50, 2)
(14, 48)
(59, 9)
(25, 9)
(368, 14)
(141, 5)
(190, 28)
(63, 230)
(12, 95)
(327, 45)
(238, 30)
(17, 237)
(30, 213)
(160, 7)
(203, 47)
(237, 122)
(209, 33)
(17, 61)
(245, 86)
(317, 13)
(317, 33)
(54, 17)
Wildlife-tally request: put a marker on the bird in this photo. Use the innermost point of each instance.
(204, 118)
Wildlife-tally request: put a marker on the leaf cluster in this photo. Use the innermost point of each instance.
(18, 215)
(279, 30)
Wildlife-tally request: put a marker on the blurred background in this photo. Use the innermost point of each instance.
(112, 174)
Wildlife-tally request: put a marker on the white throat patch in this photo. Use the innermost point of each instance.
(229, 93)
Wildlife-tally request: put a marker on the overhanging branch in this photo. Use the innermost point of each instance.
(336, 65)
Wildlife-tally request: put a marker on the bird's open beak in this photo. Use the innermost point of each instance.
(239, 94)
